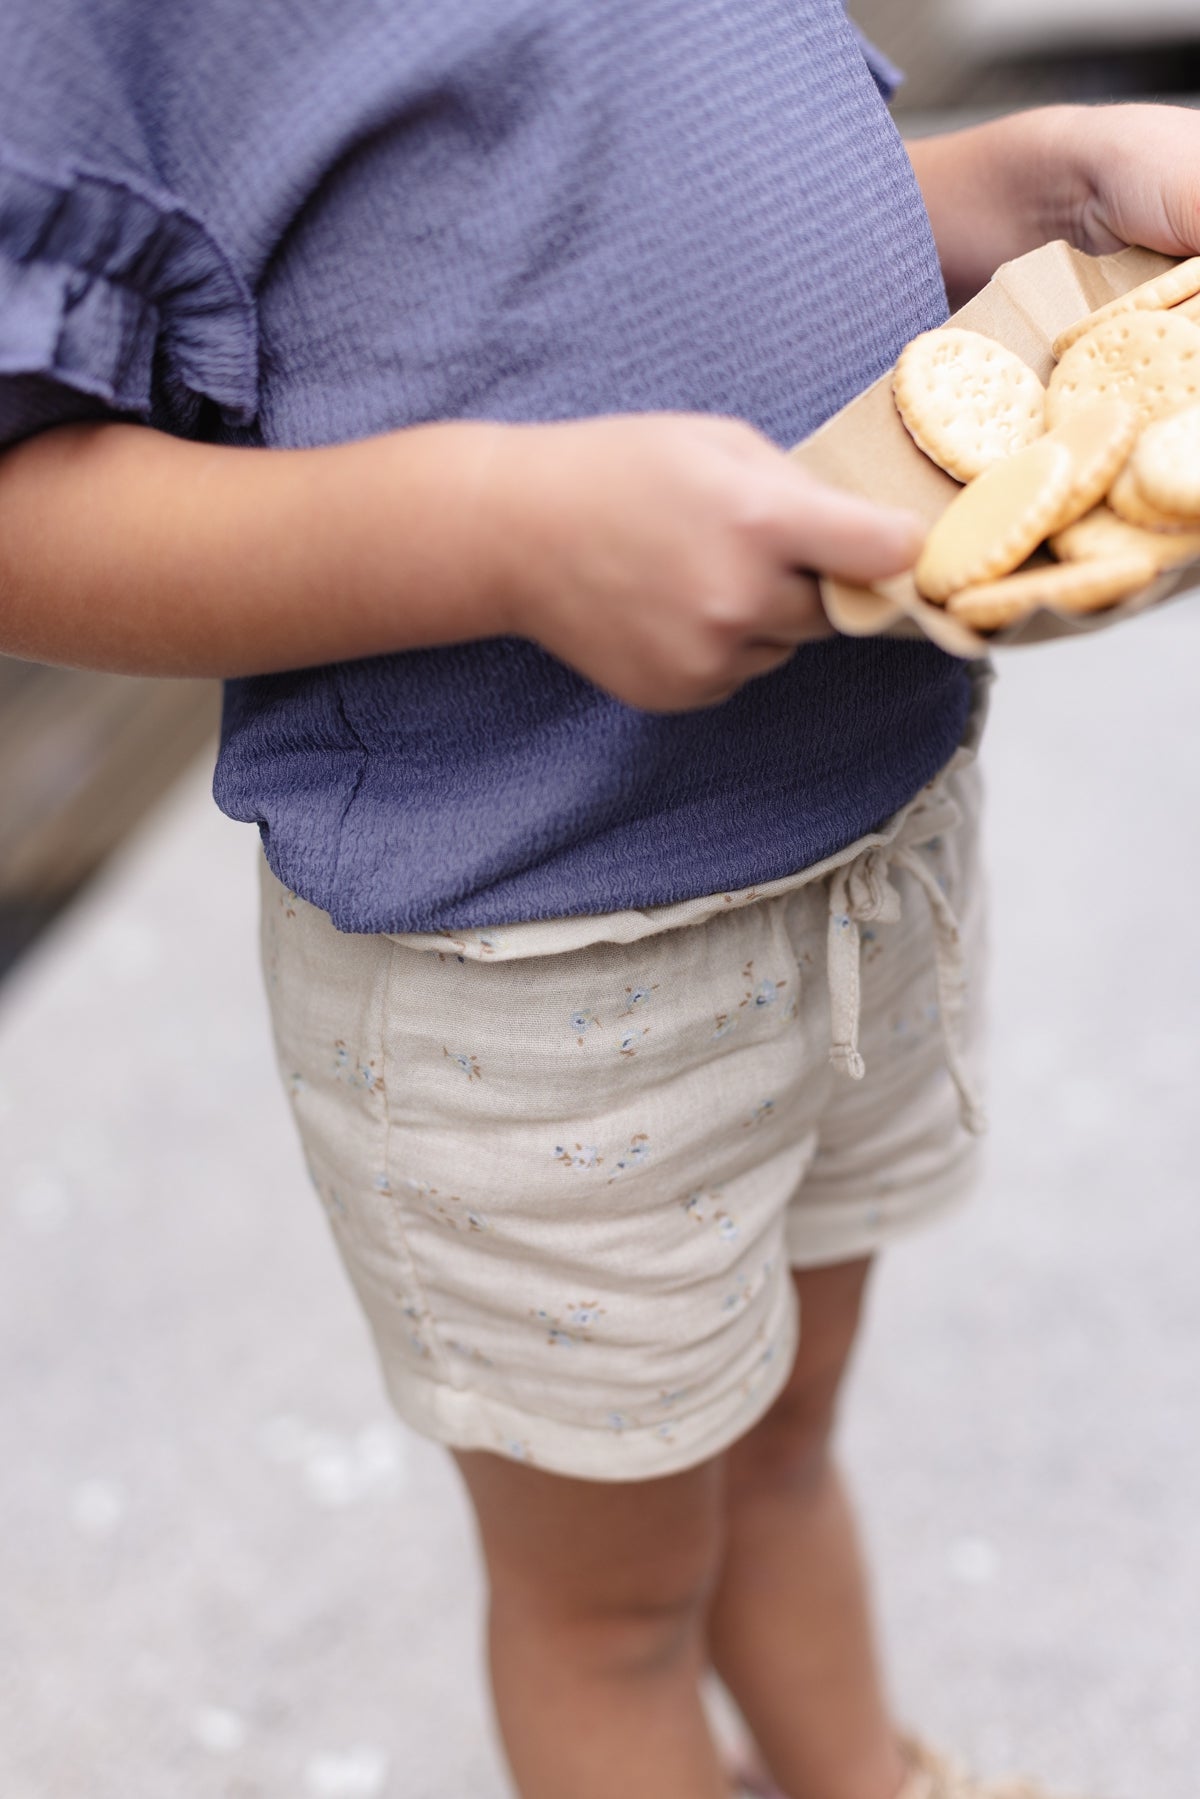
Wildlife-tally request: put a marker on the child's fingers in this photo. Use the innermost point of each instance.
(794, 616)
(821, 527)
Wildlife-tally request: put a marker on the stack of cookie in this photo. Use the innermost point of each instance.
(1101, 467)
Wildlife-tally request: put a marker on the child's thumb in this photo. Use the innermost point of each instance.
(842, 534)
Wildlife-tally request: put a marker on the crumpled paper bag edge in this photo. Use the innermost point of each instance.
(866, 449)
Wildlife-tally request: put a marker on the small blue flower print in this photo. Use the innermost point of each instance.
(362, 1075)
(637, 996)
(466, 1064)
(739, 1296)
(762, 1110)
(638, 1151)
(555, 1334)
(705, 1208)
(417, 1317)
(582, 1022)
(580, 1315)
(463, 1218)
(578, 1155)
(764, 993)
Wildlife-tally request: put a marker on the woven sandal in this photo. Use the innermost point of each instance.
(751, 1782)
(934, 1776)
(930, 1776)
(750, 1785)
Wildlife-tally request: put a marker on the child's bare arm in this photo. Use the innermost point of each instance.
(659, 555)
(1099, 176)
(126, 549)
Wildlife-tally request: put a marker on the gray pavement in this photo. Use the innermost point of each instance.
(226, 1574)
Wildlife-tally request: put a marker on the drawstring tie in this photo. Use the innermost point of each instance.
(861, 893)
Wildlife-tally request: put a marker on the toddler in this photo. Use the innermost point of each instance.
(425, 371)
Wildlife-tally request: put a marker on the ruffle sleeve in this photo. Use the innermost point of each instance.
(115, 299)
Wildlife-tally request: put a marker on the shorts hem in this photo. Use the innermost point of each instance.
(871, 1223)
(465, 1419)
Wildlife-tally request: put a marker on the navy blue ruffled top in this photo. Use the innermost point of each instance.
(301, 223)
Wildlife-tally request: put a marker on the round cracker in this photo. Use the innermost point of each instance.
(1099, 438)
(994, 523)
(1128, 501)
(1166, 464)
(1150, 359)
(1101, 535)
(1190, 309)
(966, 400)
(1172, 288)
(1070, 587)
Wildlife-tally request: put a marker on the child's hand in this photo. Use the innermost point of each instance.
(1100, 176)
(664, 556)
(1141, 179)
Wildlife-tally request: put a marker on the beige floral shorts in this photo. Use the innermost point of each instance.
(569, 1164)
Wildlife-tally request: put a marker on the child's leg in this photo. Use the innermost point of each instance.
(790, 1628)
(596, 1628)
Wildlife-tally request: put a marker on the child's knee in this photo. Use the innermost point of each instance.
(630, 1567)
(624, 1635)
(652, 1585)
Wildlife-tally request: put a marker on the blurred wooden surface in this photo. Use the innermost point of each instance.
(82, 757)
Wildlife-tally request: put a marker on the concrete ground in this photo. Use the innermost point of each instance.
(226, 1574)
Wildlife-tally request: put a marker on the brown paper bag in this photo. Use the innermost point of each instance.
(866, 449)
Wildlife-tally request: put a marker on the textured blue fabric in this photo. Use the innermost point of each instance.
(301, 223)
